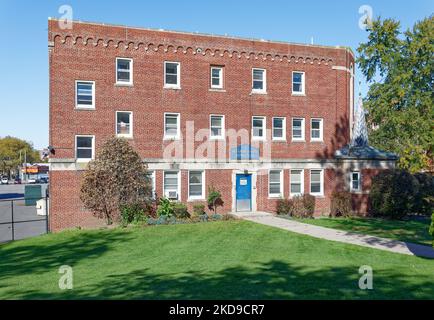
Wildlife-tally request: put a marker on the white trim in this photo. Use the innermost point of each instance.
(264, 129)
(359, 180)
(85, 106)
(281, 184)
(93, 148)
(321, 193)
(223, 134)
(178, 76)
(178, 172)
(154, 185)
(303, 84)
(264, 81)
(303, 129)
(178, 124)
(321, 130)
(283, 138)
(301, 182)
(221, 85)
(129, 135)
(202, 197)
(122, 82)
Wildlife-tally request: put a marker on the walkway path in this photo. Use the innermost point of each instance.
(338, 235)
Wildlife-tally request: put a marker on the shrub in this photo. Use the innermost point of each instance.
(309, 205)
(198, 209)
(302, 206)
(165, 208)
(393, 193)
(431, 228)
(133, 213)
(341, 204)
(214, 199)
(424, 202)
(180, 211)
(216, 217)
(283, 207)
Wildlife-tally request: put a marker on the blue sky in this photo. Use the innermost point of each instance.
(24, 54)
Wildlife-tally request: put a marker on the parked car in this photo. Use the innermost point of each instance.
(17, 180)
(4, 180)
(32, 180)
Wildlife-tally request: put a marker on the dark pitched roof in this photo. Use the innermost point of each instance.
(364, 152)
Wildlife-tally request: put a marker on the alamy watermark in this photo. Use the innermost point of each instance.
(65, 20)
(366, 281)
(365, 20)
(66, 280)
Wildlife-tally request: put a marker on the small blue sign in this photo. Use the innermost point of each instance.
(244, 152)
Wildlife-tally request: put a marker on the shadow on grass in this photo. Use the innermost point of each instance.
(272, 280)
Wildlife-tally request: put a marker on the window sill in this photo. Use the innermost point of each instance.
(317, 141)
(295, 195)
(172, 87)
(85, 108)
(321, 196)
(122, 84)
(301, 140)
(298, 94)
(216, 138)
(278, 140)
(275, 197)
(217, 90)
(259, 92)
(195, 199)
(83, 160)
(259, 139)
(171, 138)
(124, 136)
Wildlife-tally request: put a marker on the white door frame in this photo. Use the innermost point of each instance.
(234, 188)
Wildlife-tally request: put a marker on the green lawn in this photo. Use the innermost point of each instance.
(216, 260)
(411, 230)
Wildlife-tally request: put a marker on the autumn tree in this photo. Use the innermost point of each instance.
(400, 69)
(12, 151)
(116, 178)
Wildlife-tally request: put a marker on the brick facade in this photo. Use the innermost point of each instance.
(89, 51)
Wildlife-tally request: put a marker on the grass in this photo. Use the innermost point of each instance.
(216, 260)
(415, 231)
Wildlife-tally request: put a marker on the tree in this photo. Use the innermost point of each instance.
(400, 68)
(431, 229)
(214, 199)
(10, 150)
(115, 179)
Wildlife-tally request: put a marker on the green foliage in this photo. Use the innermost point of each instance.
(10, 149)
(341, 204)
(165, 208)
(198, 209)
(309, 205)
(431, 228)
(214, 199)
(283, 206)
(298, 207)
(424, 202)
(180, 210)
(400, 67)
(116, 178)
(394, 193)
(133, 213)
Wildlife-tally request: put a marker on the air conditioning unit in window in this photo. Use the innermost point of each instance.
(172, 194)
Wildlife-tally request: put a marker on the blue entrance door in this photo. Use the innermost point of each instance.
(244, 192)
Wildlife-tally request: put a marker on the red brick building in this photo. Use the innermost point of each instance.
(258, 120)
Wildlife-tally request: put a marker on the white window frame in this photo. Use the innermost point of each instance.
(264, 81)
(178, 124)
(283, 138)
(154, 185)
(281, 182)
(84, 106)
(321, 130)
(359, 189)
(264, 129)
(220, 86)
(201, 197)
(130, 135)
(122, 82)
(178, 172)
(321, 193)
(301, 182)
(93, 147)
(303, 127)
(178, 76)
(222, 136)
(303, 84)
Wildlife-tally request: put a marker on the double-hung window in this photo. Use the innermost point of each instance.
(171, 126)
(124, 124)
(216, 77)
(279, 128)
(298, 83)
(171, 185)
(316, 130)
(196, 185)
(124, 71)
(85, 94)
(317, 182)
(259, 80)
(275, 187)
(296, 182)
(84, 148)
(356, 185)
(217, 127)
(298, 129)
(258, 128)
(172, 75)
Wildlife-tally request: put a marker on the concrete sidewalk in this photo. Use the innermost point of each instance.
(338, 235)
